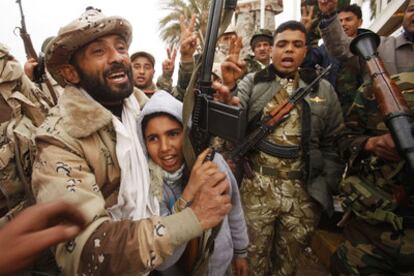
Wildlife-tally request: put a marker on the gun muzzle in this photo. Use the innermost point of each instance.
(365, 44)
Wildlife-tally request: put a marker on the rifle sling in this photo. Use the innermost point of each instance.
(281, 151)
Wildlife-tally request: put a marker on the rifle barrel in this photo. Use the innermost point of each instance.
(23, 23)
(211, 40)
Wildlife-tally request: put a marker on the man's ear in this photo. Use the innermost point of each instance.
(360, 23)
(69, 73)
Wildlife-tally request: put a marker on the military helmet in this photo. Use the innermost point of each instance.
(261, 35)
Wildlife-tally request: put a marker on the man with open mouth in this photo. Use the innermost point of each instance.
(284, 194)
(88, 154)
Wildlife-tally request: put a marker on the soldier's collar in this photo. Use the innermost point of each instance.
(82, 115)
(404, 39)
(268, 74)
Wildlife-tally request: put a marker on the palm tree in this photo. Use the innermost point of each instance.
(373, 8)
(170, 25)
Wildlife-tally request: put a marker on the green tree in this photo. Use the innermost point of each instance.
(170, 24)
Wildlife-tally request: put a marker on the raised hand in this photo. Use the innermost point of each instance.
(169, 64)
(307, 16)
(29, 67)
(232, 69)
(188, 40)
(223, 94)
(327, 6)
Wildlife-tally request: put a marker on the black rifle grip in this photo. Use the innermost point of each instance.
(210, 156)
(230, 4)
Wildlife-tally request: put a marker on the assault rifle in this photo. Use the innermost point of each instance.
(273, 120)
(392, 105)
(39, 73)
(210, 117)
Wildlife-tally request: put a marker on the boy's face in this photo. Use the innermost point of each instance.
(350, 23)
(164, 138)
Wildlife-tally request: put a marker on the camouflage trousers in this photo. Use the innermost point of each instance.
(280, 217)
(374, 250)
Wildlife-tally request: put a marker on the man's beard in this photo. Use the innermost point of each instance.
(99, 89)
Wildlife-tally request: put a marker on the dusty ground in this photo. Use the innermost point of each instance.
(310, 265)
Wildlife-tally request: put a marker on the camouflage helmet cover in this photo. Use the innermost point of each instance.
(91, 25)
(261, 35)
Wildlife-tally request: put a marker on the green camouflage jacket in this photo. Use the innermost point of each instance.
(374, 173)
(252, 65)
(184, 75)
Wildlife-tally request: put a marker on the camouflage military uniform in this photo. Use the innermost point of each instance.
(279, 201)
(380, 235)
(252, 65)
(268, 196)
(347, 83)
(22, 108)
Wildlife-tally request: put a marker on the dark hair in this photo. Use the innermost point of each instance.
(354, 8)
(290, 25)
(148, 118)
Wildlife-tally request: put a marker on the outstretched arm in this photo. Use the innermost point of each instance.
(36, 229)
(333, 35)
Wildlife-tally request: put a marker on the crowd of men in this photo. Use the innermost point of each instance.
(105, 170)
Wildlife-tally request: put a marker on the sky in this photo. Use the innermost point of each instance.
(45, 17)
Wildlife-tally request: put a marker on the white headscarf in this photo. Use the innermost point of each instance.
(134, 199)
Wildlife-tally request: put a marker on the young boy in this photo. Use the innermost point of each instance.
(161, 131)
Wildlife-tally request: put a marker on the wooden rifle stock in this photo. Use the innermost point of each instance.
(387, 93)
(392, 105)
(28, 45)
(394, 109)
(279, 113)
(276, 116)
(31, 53)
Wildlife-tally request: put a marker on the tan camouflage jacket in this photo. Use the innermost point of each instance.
(322, 123)
(23, 107)
(76, 162)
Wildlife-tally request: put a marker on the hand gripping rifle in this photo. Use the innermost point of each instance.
(393, 107)
(208, 116)
(270, 122)
(39, 74)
